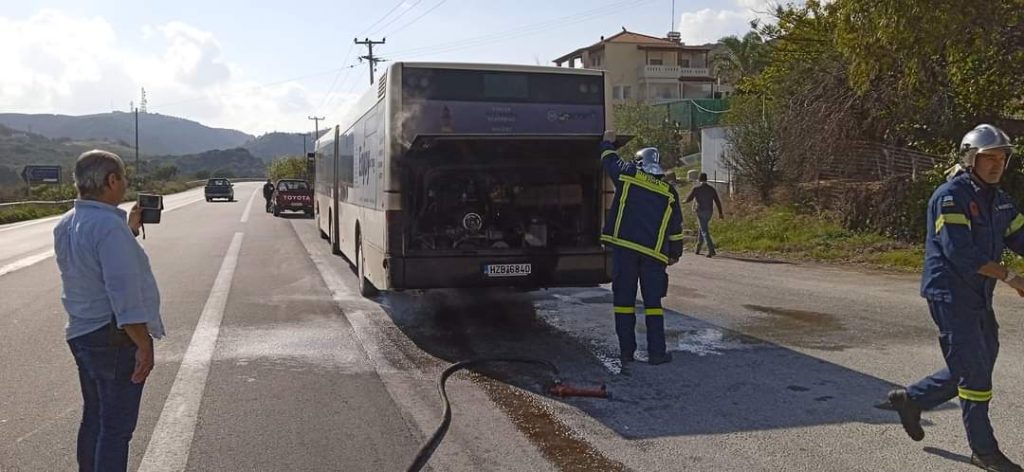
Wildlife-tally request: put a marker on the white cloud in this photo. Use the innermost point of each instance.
(56, 63)
(710, 25)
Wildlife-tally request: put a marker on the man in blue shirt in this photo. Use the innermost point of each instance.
(970, 223)
(113, 308)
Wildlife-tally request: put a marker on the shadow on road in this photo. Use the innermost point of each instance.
(721, 381)
(295, 216)
(948, 455)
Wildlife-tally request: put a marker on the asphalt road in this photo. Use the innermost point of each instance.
(272, 362)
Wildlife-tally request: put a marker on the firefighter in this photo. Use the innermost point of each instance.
(645, 230)
(970, 222)
(268, 193)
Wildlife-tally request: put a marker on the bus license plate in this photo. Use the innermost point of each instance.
(508, 270)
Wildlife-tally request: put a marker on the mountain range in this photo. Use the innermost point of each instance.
(159, 135)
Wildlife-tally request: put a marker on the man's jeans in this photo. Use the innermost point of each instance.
(704, 226)
(111, 401)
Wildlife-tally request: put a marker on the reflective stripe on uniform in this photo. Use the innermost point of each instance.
(663, 229)
(654, 311)
(622, 209)
(653, 185)
(953, 219)
(1016, 224)
(676, 237)
(974, 395)
(625, 310)
(606, 153)
(634, 246)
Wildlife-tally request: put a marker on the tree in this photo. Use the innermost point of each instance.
(165, 172)
(754, 147)
(740, 58)
(649, 127)
(202, 175)
(289, 167)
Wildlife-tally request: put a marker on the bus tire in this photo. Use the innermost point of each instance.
(366, 288)
(332, 235)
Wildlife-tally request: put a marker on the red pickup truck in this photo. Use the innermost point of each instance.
(292, 195)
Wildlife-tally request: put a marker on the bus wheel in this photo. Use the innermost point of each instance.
(366, 288)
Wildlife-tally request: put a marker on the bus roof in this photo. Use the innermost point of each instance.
(371, 94)
(500, 67)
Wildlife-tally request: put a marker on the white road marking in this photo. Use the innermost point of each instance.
(404, 386)
(37, 258)
(171, 442)
(25, 262)
(248, 207)
(11, 226)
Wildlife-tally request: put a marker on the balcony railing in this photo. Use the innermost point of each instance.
(671, 72)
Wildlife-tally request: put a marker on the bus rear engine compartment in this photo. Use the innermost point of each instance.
(504, 202)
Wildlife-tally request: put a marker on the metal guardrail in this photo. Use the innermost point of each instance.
(44, 203)
(35, 203)
(246, 179)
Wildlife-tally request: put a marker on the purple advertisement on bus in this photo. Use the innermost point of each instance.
(443, 117)
(488, 102)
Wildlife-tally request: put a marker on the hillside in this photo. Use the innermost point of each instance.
(237, 162)
(158, 134)
(18, 149)
(273, 145)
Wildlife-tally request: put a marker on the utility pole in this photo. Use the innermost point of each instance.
(138, 170)
(310, 169)
(316, 120)
(373, 60)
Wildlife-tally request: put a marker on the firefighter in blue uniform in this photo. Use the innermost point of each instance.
(970, 222)
(644, 229)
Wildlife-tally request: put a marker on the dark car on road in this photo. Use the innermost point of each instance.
(292, 195)
(220, 188)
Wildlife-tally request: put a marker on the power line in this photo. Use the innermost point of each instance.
(259, 86)
(375, 23)
(521, 32)
(393, 20)
(417, 18)
(329, 95)
(337, 76)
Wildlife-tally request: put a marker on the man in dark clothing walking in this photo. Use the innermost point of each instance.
(706, 196)
(268, 192)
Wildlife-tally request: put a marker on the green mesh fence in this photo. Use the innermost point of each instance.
(693, 114)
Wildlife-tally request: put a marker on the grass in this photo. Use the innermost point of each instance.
(14, 215)
(783, 232)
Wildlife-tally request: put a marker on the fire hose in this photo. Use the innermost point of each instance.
(558, 389)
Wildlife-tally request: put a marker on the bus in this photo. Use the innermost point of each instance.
(447, 175)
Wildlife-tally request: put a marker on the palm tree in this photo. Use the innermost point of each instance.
(737, 59)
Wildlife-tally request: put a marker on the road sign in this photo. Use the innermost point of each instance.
(42, 174)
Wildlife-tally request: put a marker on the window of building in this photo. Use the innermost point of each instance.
(655, 62)
(684, 62)
(622, 92)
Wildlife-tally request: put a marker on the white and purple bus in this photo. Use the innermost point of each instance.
(469, 175)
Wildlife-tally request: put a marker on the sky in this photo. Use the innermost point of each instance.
(261, 66)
